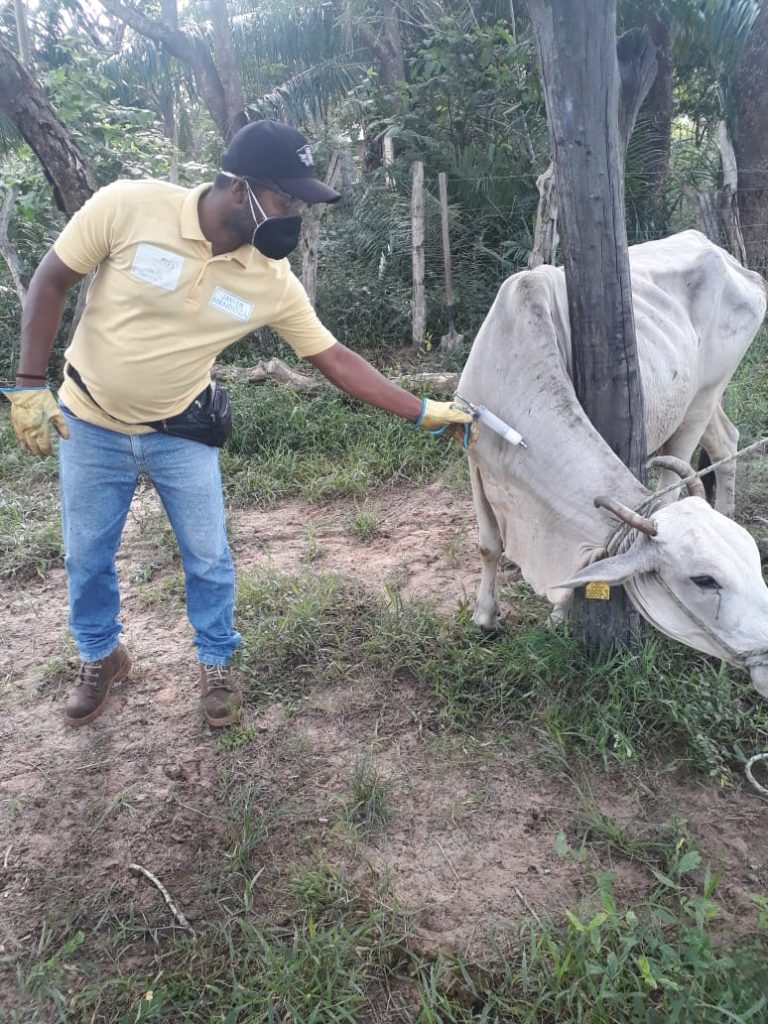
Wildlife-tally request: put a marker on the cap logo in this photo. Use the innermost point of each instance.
(304, 154)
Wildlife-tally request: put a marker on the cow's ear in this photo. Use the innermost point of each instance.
(640, 558)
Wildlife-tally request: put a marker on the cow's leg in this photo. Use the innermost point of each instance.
(682, 444)
(719, 440)
(486, 606)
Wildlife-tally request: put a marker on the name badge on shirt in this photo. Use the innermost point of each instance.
(157, 266)
(231, 304)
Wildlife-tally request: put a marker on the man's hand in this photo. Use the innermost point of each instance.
(445, 418)
(33, 412)
(437, 415)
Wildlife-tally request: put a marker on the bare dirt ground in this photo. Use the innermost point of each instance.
(470, 845)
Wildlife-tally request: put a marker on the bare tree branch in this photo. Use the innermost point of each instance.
(193, 52)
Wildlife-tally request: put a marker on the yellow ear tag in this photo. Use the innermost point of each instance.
(597, 590)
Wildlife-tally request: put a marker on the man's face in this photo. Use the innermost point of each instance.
(255, 202)
(277, 204)
(251, 203)
(266, 201)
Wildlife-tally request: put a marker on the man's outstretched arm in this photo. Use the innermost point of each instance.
(352, 374)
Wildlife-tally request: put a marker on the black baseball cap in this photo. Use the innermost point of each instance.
(273, 150)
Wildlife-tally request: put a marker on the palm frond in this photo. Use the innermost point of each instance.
(310, 93)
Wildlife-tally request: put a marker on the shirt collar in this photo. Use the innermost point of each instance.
(190, 225)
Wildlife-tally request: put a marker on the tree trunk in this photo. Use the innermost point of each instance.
(751, 143)
(656, 115)
(193, 52)
(167, 102)
(225, 61)
(391, 51)
(170, 14)
(8, 249)
(385, 43)
(707, 217)
(23, 102)
(581, 81)
(634, 52)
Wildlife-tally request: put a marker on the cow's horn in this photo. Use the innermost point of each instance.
(683, 469)
(627, 515)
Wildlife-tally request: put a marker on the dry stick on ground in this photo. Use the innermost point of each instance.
(272, 369)
(528, 906)
(278, 371)
(137, 869)
(447, 859)
(437, 381)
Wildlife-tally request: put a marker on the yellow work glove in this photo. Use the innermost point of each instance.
(33, 412)
(439, 417)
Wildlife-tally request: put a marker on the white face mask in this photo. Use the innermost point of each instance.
(275, 237)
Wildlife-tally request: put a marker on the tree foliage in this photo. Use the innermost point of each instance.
(454, 83)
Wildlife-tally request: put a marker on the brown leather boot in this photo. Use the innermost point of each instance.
(219, 696)
(94, 680)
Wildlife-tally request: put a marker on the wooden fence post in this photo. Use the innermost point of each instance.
(545, 237)
(452, 339)
(417, 247)
(339, 173)
(726, 196)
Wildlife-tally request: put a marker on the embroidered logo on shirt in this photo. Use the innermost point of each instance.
(157, 266)
(305, 155)
(231, 304)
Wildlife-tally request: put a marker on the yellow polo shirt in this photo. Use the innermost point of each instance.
(161, 307)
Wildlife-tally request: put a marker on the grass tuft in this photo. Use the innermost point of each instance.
(322, 446)
(369, 804)
(303, 631)
(657, 963)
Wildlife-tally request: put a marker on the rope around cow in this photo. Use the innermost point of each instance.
(700, 473)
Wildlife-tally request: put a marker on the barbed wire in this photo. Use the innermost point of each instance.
(698, 474)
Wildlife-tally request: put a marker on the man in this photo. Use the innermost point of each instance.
(181, 274)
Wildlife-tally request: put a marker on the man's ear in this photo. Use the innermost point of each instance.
(239, 189)
(640, 558)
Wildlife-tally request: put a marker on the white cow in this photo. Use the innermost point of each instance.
(692, 572)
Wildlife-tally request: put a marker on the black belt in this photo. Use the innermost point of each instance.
(72, 372)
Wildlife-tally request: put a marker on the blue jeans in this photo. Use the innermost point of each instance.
(99, 472)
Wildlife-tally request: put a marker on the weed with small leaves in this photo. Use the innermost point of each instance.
(365, 524)
(369, 805)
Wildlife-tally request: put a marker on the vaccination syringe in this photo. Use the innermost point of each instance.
(490, 420)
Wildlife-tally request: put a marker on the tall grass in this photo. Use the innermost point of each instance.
(309, 630)
(322, 446)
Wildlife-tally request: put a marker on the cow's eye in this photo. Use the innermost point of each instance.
(705, 582)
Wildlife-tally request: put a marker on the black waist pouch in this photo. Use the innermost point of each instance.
(207, 419)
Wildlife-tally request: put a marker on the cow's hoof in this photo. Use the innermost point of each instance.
(759, 676)
(487, 621)
(556, 618)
